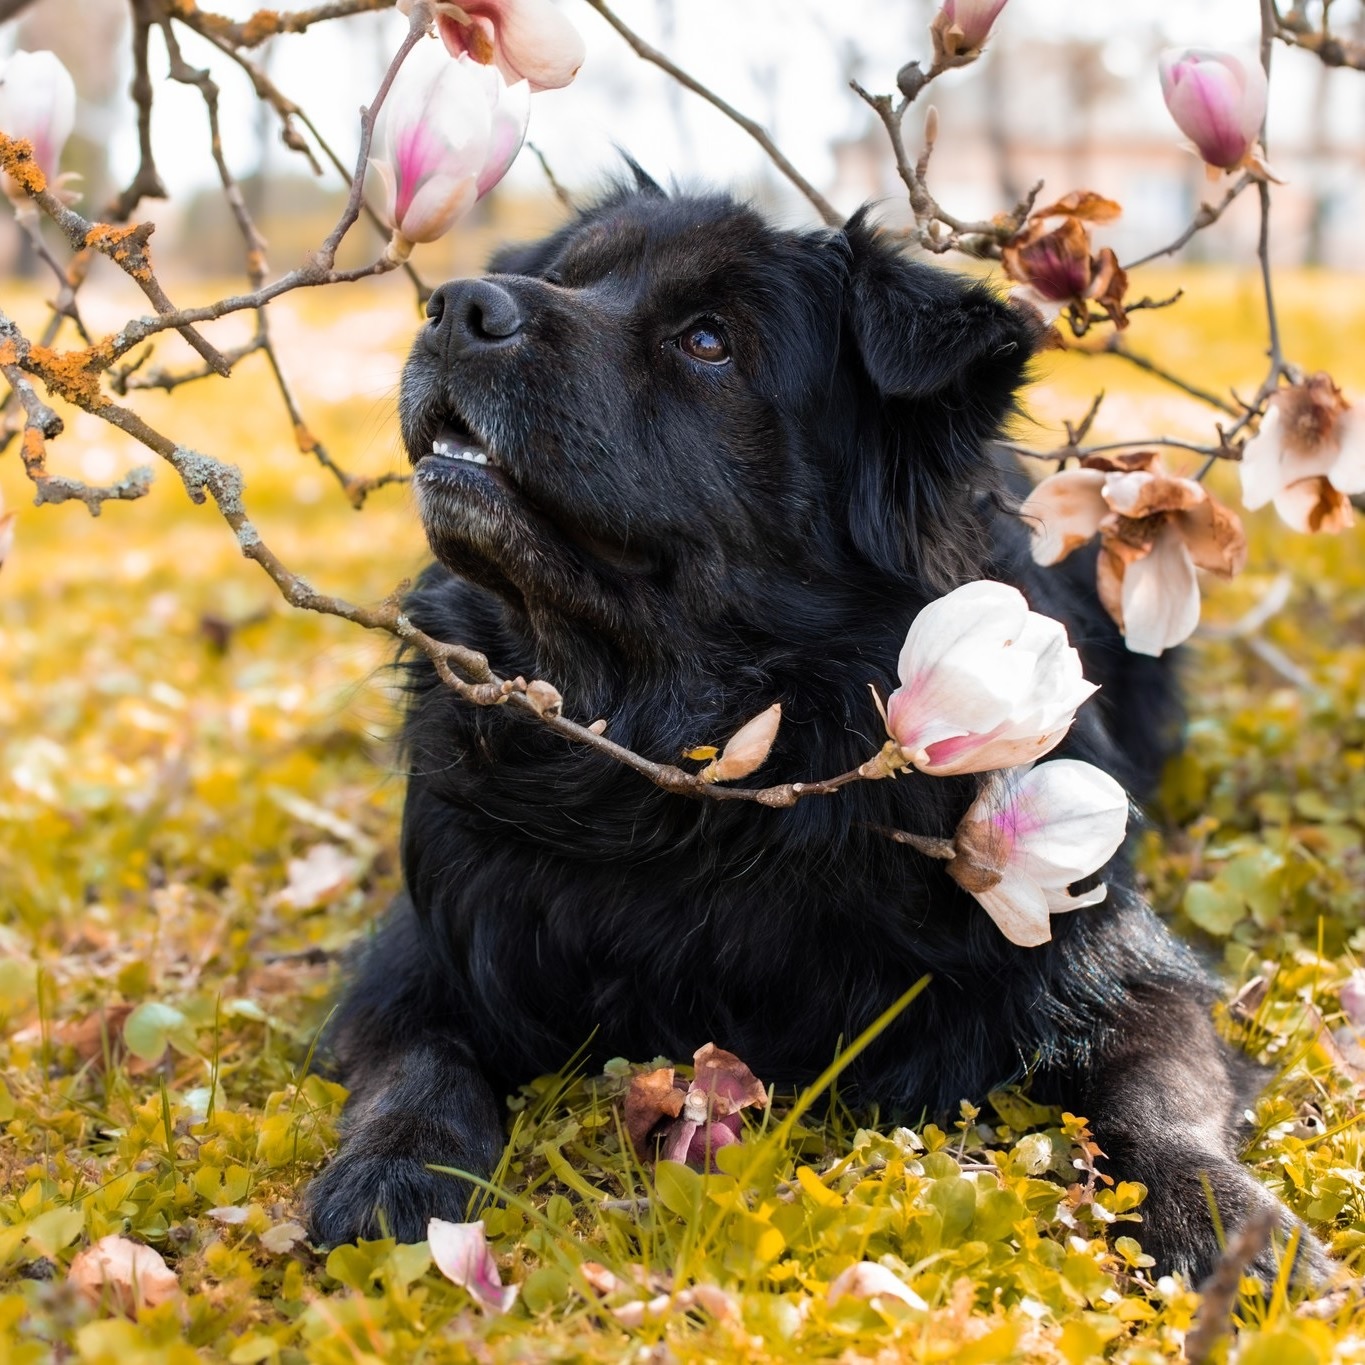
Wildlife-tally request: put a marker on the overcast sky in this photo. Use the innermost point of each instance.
(783, 61)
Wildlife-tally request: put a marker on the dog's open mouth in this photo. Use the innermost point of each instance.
(454, 443)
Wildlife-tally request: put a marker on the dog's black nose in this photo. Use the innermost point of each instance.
(468, 316)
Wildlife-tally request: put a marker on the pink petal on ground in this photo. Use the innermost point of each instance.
(460, 1252)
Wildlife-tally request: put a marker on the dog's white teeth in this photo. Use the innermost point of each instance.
(469, 454)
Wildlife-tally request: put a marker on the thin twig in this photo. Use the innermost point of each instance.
(1220, 1290)
(822, 206)
(1207, 215)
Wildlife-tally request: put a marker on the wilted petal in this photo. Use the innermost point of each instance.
(1315, 507)
(728, 1084)
(1300, 437)
(1147, 493)
(1064, 512)
(1086, 204)
(1055, 263)
(1160, 596)
(1214, 537)
(460, 1252)
(652, 1096)
(1217, 100)
(868, 1280)
(125, 1272)
(526, 39)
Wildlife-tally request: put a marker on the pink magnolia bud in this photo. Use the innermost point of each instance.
(444, 137)
(38, 104)
(961, 27)
(525, 39)
(1217, 100)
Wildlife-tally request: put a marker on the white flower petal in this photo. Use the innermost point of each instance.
(1160, 596)
(868, 1280)
(1348, 471)
(1064, 512)
(1019, 909)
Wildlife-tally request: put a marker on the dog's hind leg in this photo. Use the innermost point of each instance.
(1165, 1103)
(418, 1100)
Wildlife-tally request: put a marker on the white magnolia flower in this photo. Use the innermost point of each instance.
(1030, 835)
(445, 136)
(985, 683)
(38, 104)
(872, 1281)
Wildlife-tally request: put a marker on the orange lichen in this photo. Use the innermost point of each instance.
(34, 453)
(304, 439)
(125, 246)
(16, 160)
(9, 352)
(74, 375)
(265, 23)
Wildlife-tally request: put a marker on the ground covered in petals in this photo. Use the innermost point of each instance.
(198, 811)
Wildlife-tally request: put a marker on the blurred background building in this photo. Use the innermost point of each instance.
(1066, 93)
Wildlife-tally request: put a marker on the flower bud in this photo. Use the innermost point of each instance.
(38, 104)
(961, 27)
(525, 39)
(747, 749)
(444, 137)
(1217, 100)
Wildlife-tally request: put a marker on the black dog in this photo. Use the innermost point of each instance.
(685, 465)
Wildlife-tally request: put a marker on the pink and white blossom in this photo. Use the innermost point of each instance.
(525, 39)
(1033, 833)
(37, 104)
(961, 27)
(1218, 101)
(444, 137)
(460, 1252)
(985, 683)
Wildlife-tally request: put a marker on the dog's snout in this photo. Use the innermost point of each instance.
(468, 316)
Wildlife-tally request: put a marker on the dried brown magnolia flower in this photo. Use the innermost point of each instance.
(1155, 530)
(1308, 457)
(1058, 268)
(705, 1115)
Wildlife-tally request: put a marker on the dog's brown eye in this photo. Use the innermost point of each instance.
(704, 343)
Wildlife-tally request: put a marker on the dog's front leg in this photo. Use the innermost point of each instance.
(1165, 1103)
(418, 1098)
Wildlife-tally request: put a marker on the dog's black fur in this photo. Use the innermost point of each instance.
(678, 540)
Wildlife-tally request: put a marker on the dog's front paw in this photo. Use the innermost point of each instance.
(381, 1196)
(381, 1183)
(1179, 1231)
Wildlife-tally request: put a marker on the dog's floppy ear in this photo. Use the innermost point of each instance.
(921, 330)
(945, 356)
